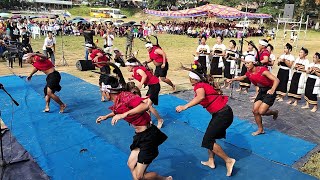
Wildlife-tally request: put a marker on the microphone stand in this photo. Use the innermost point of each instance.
(3, 162)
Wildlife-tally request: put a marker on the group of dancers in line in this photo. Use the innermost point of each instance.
(131, 107)
(297, 75)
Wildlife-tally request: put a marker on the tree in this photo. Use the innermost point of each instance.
(161, 4)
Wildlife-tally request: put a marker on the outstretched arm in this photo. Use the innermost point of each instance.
(102, 118)
(34, 70)
(137, 110)
(240, 78)
(196, 100)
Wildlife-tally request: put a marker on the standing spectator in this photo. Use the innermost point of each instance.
(26, 39)
(88, 34)
(129, 44)
(108, 41)
(15, 33)
(49, 46)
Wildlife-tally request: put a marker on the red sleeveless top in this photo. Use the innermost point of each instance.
(151, 79)
(262, 53)
(156, 57)
(101, 60)
(42, 64)
(127, 101)
(258, 79)
(213, 102)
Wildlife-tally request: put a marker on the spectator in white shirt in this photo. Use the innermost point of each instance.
(49, 47)
(108, 41)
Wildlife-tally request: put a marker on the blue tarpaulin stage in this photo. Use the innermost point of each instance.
(73, 146)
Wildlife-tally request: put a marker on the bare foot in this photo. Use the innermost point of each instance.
(160, 123)
(314, 109)
(280, 99)
(169, 178)
(257, 133)
(305, 107)
(209, 164)
(229, 166)
(295, 103)
(174, 88)
(46, 110)
(253, 97)
(62, 108)
(275, 116)
(289, 102)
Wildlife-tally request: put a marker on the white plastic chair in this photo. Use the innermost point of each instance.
(35, 32)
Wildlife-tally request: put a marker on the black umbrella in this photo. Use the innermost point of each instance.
(119, 21)
(137, 24)
(131, 22)
(52, 17)
(126, 24)
(81, 18)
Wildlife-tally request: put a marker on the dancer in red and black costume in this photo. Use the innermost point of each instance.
(147, 139)
(264, 54)
(222, 118)
(40, 62)
(99, 59)
(159, 59)
(263, 57)
(146, 78)
(267, 83)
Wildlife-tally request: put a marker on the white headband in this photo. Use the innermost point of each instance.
(149, 45)
(193, 75)
(263, 43)
(108, 88)
(26, 56)
(131, 64)
(250, 58)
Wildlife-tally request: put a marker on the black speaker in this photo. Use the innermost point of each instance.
(84, 65)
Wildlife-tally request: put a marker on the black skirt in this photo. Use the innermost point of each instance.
(203, 62)
(148, 142)
(153, 93)
(227, 69)
(215, 71)
(283, 76)
(217, 127)
(264, 97)
(246, 82)
(162, 72)
(53, 82)
(308, 95)
(294, 86)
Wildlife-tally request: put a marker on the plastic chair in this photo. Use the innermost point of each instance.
(35, 32)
